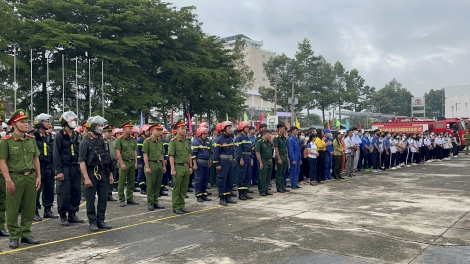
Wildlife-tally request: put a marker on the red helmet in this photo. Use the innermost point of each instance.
(115, 131)
(79, 129)
(144, 128)
(242, 125)
(204, 124)
(218, 127)
(201, 130)
(135, 130)
(226, 124)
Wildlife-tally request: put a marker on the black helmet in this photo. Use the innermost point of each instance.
(68, 118)
(41, 117)
(96, 120)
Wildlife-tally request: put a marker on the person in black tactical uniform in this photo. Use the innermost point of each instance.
(42, 124)
(97, 168)
(65, 155)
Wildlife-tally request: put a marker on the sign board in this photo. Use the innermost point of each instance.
(404, 129)
(417, 101)
(285, 114)
(296, 100)
(272, 122)
(418, 111)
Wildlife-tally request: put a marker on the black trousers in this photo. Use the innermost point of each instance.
(46, 191)
(69, 191)
(96, 215)
(338, 161)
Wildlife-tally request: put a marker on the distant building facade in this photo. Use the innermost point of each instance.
(457, 101)
(255, 56)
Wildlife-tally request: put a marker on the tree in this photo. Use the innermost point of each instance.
(323, 95)
(392, 99)
(434, 103)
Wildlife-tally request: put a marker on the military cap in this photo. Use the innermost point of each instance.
(178, 124)
(127, 124)
(155, 126)
(108, 128)
(17, 115)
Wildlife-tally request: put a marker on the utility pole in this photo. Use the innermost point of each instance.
(47, 83)
(293, 101)
(32, 108)
(89, 82)
(275, 93)
(102, 89)
(15, 84)
(76, 81)
(63, 84)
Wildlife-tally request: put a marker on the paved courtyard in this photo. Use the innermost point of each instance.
(412, 215)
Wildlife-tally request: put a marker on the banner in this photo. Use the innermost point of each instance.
(417, 101)
(403, 129)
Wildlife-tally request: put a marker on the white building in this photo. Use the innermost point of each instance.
(457, 101)
(255, 56)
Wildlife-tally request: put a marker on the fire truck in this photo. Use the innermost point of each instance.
(403, 124)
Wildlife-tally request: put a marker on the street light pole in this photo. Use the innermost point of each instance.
(275, 93)
(102, 88)
(63, 84)
(76, 81)
(47, 83)
(89, 82)
(15, 84)
(292, 106)
(32, 108)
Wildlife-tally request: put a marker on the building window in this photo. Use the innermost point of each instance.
(264, 79)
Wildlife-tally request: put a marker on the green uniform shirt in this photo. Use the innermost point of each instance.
(265, 148)
(154, 148)
(467, 139)
(180, 150)
(336, 145)
(127, 146)
(281, 143)
(112, 148)
(19, 153)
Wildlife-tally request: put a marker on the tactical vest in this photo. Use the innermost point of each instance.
(98, 153)
(69, 149)
(45, 146)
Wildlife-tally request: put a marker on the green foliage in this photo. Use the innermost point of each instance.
(392, 99)
(154, 54)
(434, 103)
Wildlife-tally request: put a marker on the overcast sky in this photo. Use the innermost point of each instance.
(424, 44)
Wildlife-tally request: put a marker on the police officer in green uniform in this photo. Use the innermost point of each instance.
(108, 135)
(97, 168)
(126, 153)
(19, 163)
(179, 151)
(280, 146)
(264, 154)
(466, 136)
(44, 141)
(154, 160)
(3, 231)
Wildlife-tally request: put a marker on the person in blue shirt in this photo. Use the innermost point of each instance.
(254, 168)
(244, 161)
(328, 154)
(366, 150)
(376, 151)
(386, 151)
(293, 150)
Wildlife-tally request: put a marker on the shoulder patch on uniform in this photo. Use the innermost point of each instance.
(31, 136)
(277, 135)
(7, 137)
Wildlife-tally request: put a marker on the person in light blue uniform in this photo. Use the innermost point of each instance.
(293, 150)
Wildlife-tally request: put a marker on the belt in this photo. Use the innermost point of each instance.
(226, 157)
(155, 161)
(25, 173)
(246, 153)
(267, 158)
(182, 164)
(202, 160)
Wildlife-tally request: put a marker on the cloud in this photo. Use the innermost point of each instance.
(421, 43)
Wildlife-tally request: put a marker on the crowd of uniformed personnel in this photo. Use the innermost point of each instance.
(82, 162)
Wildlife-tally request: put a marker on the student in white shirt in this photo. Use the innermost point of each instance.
(446, 141)
(439, 147)
(312, 159)
(393, 150)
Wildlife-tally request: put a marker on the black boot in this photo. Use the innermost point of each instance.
(74, 219)
(63, 220)
(49, 214)
(162, 193)
(204, 198)
(222, 200)
(247, 196)
(241, 195)
(233, 194)
(115, 187)
(37, 217)
(199, 199)
(111, 198)
(228, 199)
(143, 189)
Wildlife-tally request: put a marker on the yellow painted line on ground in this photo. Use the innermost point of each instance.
(104, 231)
(127, 226)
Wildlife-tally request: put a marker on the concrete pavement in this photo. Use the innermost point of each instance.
(411, 215)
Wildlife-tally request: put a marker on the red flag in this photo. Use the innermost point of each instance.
(329, 125)
(190, 123)
(172, 117)
(359, 125)
(261, 117)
